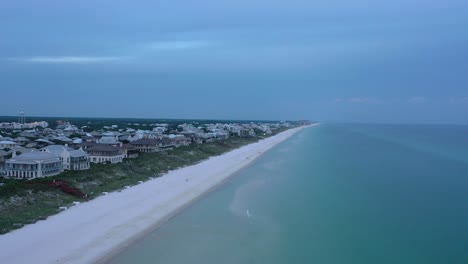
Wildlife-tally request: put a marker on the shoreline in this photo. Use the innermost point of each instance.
(96, 231)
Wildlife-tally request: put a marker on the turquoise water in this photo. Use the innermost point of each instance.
(331, 194)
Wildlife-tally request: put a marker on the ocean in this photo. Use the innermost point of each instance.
(336, 193)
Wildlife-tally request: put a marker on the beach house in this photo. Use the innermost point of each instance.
(102, 153)
(146, 145)
(32, 165)
(71, 159)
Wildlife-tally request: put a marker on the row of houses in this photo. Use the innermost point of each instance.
(47, 158)
(48, 161)
(54, 159)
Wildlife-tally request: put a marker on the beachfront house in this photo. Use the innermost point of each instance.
(153, 145)
(166, 144)
(101, 153)
(32, 165)
(146, 145)
(129, 151)
(180, 140)
(71, 159)
(79, 160)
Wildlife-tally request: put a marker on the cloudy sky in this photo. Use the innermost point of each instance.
(328, 60)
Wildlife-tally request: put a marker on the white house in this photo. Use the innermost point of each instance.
(32, 165)
(71, 159)
(79, 160)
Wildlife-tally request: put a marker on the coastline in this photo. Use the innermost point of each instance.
(97, 230)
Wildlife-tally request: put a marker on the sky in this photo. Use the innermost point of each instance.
(400, 61)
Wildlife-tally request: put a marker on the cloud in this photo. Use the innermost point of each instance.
(357, 100)
(338, 100)
(153, 46)
(363, 100)
(417, 100)
(178, 45)
(69, 59)
(461, 100)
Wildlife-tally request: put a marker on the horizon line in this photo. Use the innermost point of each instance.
(149, 118)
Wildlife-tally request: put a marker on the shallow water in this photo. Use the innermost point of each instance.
(331, 194)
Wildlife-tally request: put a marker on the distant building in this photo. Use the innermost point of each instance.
(166, 144)
(109, 140)
(21, 141)
(146, 145)
(180, 141)
(153, 145)
(105, 153)
(32, 165)
(21, 150)
(7, 144)
(43, 142)
(192, 137)
(244, 133)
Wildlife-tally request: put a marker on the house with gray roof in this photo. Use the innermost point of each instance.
(79, 160)
(153, 145)
(36, 164)
(21, 140)
(43, 142)
(109, 140)
(7, 144)
(102, 153)
(21, 150)
(146, 145)
(71, 159)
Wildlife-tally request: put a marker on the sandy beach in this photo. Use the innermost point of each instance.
(91, 231)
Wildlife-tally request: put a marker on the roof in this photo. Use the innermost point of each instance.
(146, 141)
(102, 147)
(88, 143)
(78, 153)
(44, 141)
(62, 138)
(56, 148)
(7, 142)
(21, 139)
(167, 141)
(127, 146)
(108, 140)
(21, 149)
(34, 157)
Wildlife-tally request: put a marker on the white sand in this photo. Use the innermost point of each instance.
(90, 231)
